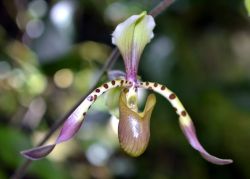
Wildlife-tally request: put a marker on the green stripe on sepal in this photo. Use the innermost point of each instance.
(131, 36)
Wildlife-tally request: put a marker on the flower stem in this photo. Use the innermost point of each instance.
(160, 7)
(20, 171)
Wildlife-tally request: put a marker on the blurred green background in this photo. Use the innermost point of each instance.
(52, 51)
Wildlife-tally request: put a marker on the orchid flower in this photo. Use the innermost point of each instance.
(131, 36)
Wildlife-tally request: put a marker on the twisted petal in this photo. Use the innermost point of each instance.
(134, 128)
(185, 121)
(38, 152)
(131, 36)
(189, 131)
(74, 121)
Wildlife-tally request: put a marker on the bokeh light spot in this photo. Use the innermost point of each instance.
(61, 14)
(63, 78)
(38, 8)
(36, 83)
(94, 51)
(97, 154)
(35, 28)
(116, 12)
(17, 78)
(35, 112)
(4, 69)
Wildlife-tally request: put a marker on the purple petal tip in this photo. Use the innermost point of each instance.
(38, 152)
(190, 134)
(215, 160)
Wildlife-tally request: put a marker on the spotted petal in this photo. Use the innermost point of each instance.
(74, 121)
(185, 121)
(131, 36)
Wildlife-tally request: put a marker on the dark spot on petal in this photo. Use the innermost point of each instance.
(105, 85)
(150, 88)
(84, 113)
(113, 82)
(95, 96)
(184, 113)
(125, 90)
(147, 83)
(122, 82)
(163, 87)
(172, 96)
(90, 98)
(97, 90)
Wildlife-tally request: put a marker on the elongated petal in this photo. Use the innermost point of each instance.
(74, 121)
(38, 152)
(134, 128)
(71, 126)
(189, 131)
(185, 121)
(131, 36)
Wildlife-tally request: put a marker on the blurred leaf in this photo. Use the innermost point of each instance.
(46, 169)
(85, 75)
(21, 53)
(247, 4)
(8, 103)
(36, 83)
(12, 142)
(2, 175)
(93, 51)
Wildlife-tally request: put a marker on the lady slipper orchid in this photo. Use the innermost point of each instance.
(131, 37)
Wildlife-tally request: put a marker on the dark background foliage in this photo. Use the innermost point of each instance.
(51, 52)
